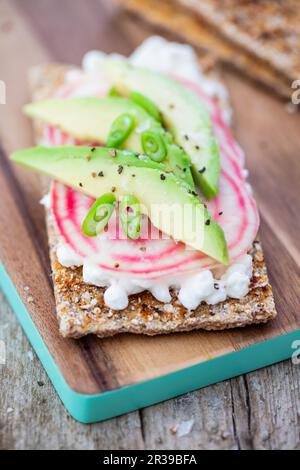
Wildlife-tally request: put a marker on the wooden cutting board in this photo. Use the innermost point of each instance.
(96, 378)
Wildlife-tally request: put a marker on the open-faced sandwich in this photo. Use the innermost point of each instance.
(152, 225)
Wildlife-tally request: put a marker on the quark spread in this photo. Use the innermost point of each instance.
(192, 288)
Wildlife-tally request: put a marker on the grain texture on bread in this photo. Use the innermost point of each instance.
(81, 309)
(182, 23)
(267, 29)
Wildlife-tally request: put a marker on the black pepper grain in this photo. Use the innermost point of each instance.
(202, 170)
(100, 173)
(207, 222)
(120, 169)
(162, 177)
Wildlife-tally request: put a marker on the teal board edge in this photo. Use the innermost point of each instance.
(94, 408)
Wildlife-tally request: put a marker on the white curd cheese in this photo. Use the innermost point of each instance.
(93, 275)
(192, 288)
(46, 201)
(218, 295)
(156, 53)
(243, 265)
(161, 292)
(93, 61)
(195, 289)
(237, 285)
(67, 256)
(116, 297)
(237, 277)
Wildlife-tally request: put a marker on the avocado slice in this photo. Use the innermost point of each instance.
(184, 115)
(90, 119)
(169, 202)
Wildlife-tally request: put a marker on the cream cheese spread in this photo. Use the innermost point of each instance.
(192, 288)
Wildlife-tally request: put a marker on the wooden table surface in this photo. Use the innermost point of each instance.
(260, 410)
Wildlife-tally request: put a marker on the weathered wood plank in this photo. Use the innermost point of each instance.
(31, 414)
(207, 411)
(257, 411)
(274, 402)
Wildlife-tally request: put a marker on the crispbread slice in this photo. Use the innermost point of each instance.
(182, 23)
(267, 29)
(81, 309)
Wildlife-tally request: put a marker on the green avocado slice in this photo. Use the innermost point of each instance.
(90, 119)
(168, 201)
(183, 114)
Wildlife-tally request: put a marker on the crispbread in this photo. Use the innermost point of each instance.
(270, 30)
(81, 309)
(184, 24)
